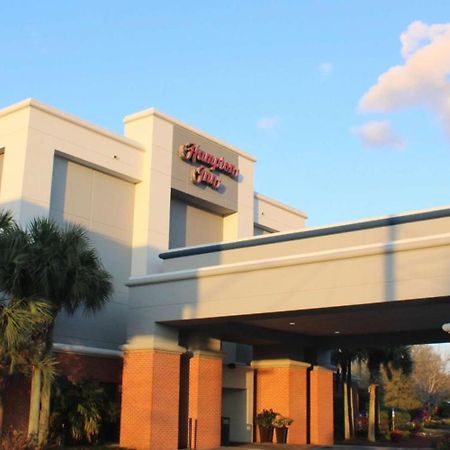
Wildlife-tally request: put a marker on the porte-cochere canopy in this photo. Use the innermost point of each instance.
(292, 296)
(386, 279)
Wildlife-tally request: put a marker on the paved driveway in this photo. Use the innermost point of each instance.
(313, 447)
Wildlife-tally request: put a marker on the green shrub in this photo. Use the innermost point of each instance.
(396, 435)
(434, 423)
(417, 426)
(79, 411)
(402, 420)
(444, 410)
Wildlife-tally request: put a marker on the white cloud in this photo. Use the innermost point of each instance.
(419, 33)
(377, 134)
(422, 80)
(267, 123)
(325, 69)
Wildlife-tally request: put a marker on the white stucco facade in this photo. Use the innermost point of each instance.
(124, 190)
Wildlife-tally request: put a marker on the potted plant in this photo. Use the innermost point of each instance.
(281, 424)
(264, 420)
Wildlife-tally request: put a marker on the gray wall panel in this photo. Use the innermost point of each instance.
(190, 225)
(104, 205)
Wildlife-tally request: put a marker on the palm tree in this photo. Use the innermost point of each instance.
(69, 275)
(58, 264)
(389, 358)
(19, 319)
(8, 339)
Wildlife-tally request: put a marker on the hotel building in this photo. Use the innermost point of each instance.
(224, 302)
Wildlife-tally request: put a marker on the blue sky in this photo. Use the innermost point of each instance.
(292, 82)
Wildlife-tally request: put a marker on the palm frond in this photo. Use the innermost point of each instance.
(67, 269)
(48, 365)
(6, 220)
(17, 323)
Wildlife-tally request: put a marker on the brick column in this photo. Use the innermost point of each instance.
(281, 385)
(321, 407)
(205, 399)
(150, 390)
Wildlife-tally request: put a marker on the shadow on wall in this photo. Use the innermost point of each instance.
(390, 293)
(105, 329)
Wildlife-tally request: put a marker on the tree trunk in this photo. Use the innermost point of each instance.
(3, 375)
(35, 402)
(377, 411)
(44, 416)
(371, 431)
(2, 410)
(351, 412)
(347, 400)
(347, 428)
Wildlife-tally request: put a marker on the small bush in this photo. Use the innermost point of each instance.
(16, 440)
(396, 435)
(417, 426)
(444, 410)
(402, 420)
(80, 411)
(434, 423)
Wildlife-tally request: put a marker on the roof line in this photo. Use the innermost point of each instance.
(309, 233)
(31, 102)
(280, 205)
(167, 118)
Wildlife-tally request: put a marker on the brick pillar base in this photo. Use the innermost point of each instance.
(322, 431)
(281, 385)
(205, 400)
(150, 390)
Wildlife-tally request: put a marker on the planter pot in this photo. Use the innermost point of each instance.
(265, 434)
(281, 435)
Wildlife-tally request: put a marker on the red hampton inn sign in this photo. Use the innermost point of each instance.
(205, 173)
